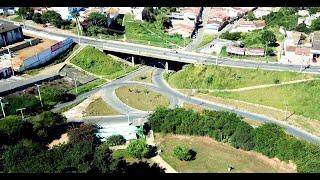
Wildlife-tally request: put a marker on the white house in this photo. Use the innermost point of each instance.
(65, 12)
(246, 26)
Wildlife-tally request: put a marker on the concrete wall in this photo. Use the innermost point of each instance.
(45, 56)
(11, 37)
(21, 46)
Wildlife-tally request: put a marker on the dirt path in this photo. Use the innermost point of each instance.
(158, 159)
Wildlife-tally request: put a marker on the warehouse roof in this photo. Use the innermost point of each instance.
(7, 27)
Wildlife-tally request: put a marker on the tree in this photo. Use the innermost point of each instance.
(148, 14)
(15, 155)
(52, 17)
(243, 137)
(250, 16)
(267, 137)
(314, 10)
(93, 30)
(13, 129)
(86, 132)
(104, 162)
(138, 148)
(37, 18)
(44, 124)
(231, 36)
(302, 27)
(315, 24)
(268, 37)
(97, 19)
(25, 12)
(115, 140)
(184, 154)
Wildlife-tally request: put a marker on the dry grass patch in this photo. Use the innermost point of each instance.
(140, 97)
(144, 77)
(213, 156)
(99, 108)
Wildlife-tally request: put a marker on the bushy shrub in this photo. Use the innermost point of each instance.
(138, 148)
(115, 140)
(13, 129)
(184, 154)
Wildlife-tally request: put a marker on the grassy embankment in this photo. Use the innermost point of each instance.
(97, 62)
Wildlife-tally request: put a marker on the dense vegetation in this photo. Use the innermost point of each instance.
(212, 77)
(268, 139)
(284, 17)
(97, 62)
(24, 148)
(115, 140)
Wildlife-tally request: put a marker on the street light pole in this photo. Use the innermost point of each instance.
(21, 110)
(2, 107)
(38, 88)
(128, 112)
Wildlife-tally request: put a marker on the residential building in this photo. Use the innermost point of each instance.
(65, 12)
(7, 10)
(235, 50)
(262, 11)
(40, 10)
(184, 21)
(10, 34)
(297, 55)
(247, 26)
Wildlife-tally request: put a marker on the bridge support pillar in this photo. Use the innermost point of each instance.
(167, 67)
(132, 61)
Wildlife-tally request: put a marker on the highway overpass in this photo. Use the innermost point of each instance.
(173, 55)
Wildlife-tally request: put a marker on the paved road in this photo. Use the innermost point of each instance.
(160, 82)
(176, 98)
(181, 56)
(10, 87)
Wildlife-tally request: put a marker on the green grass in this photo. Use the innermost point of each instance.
(17, 18)
(100, 108)
(97, 62)
(213, 156)
(87, 87)
(207, 38)
(302, 98)
(212, 77)
(138, 32)
(125, 155)
(141, 98)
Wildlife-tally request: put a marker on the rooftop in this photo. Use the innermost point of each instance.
(7, 27)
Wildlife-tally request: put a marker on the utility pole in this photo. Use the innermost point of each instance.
(75, 83)
(286, 113)
(38, 88)
(2, 106)
(21, 110)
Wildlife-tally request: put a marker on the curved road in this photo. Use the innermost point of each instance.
(177, 98)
